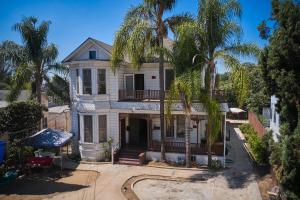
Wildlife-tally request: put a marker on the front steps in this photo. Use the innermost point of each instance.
(132, 157)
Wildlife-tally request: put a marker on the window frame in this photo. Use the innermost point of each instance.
(100, 140)
(84, 128)
(94, 53)
(101, 82)
(85, 81)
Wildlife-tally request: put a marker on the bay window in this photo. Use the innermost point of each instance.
(102, 128)
(87, 81)
(88, 128)
(101, 78)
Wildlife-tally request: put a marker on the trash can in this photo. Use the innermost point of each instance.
(2, 150)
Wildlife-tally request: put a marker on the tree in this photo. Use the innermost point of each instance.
(141, 39)
(280, 62)
(20, 119)
(216, 36)
(40, 57)
(57, 87)
(185, 88)
(11, 55)
(258, 97)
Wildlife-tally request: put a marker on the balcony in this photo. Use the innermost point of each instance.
(179, 147)
(153, 95)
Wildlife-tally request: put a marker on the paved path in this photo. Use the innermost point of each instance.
(238, 181)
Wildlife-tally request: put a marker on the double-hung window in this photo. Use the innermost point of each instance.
(101, 78)
(102, 125)
(77, 81)
(87, 81)
(88, 128)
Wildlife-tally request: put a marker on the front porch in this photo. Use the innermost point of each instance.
(141, 132)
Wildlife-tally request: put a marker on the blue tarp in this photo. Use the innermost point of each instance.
(48, 138)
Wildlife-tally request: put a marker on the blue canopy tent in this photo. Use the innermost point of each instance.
(48, 138)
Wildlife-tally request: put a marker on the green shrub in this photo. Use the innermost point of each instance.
(259, 147)
(216, 164)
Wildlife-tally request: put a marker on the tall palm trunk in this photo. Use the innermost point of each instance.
(161, 101)
(211, 69)
(188, 141)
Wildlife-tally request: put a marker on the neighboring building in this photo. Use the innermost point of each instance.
(274, 118)
(125, 106)
(58, 118)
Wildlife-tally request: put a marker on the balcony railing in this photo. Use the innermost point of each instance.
(144, 95)
(179, 147)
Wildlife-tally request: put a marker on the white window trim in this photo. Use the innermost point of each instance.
(95, 127)
(106, 81)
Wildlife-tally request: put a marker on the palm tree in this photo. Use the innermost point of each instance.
(187, 89)
(40, 57)
(184, 88)
(216, 34)
(141, 38)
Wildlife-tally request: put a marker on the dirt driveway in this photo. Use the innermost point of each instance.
(45, 185)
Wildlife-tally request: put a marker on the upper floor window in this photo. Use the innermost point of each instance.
(87, 81)
(77, 81)
(101, 78)
(169, 77)
(102, 128)
(92, 54)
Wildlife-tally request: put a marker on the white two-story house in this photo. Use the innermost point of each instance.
(124, 106)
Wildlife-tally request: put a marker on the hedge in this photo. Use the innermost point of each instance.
(259, 147)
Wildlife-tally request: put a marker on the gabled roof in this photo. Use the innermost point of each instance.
(106, 47)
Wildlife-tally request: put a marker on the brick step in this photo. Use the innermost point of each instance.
(129, 162)
(123, 155)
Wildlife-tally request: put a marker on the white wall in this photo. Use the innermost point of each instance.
(274, 120)
(175, 157)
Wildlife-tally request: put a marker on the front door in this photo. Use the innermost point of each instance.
(138, 132)
(123, 133)
(139, 81)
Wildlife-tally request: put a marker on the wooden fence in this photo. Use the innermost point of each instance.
(256, 124)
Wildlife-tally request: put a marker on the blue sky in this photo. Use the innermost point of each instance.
(73, 20)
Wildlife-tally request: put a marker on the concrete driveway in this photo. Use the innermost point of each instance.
(237, 182)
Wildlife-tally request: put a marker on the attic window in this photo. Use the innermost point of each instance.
(92, 54)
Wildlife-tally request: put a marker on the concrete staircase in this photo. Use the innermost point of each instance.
(132, 157)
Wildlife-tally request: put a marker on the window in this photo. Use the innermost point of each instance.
(180, 126)
(78, 126)
(170, 129)
(102, 128)
(77, 81)
(92, 55)
(88, 128)
(169, 77)
(101, 81)
(87, 81)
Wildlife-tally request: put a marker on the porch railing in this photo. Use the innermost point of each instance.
(140, 95)
(179, 147)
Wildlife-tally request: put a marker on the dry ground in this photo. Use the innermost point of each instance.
(43, 185)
